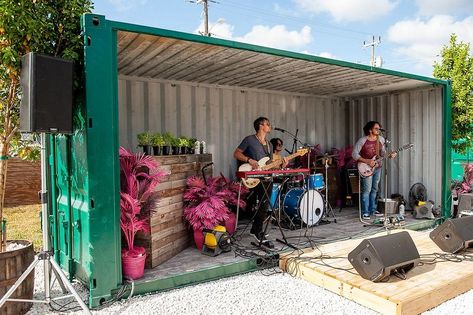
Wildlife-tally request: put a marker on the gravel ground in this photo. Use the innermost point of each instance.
(252, 293)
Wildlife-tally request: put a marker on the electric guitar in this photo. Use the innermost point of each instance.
(252, 182)
(366, 171)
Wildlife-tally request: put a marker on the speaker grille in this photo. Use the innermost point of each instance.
(46, 105)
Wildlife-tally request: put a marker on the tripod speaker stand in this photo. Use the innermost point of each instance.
(46, 255)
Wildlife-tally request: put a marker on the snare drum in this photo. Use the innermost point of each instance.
(307, 206)
(316, 181)
(274, 200)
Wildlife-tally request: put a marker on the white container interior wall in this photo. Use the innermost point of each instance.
(222, 116)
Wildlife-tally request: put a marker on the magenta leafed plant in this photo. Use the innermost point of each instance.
(139, 175)
(343, 157)
(206, 205)
(467, 184)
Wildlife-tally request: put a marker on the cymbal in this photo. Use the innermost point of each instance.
(325, 157)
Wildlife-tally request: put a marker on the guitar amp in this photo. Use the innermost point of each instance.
(353, 181)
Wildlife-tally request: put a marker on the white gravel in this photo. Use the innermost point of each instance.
(251, 293)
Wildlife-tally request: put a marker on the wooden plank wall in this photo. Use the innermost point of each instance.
(169, 232)
(23, 182)
(409, 117)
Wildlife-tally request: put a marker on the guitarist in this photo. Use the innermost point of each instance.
(252, 149)
(367, 147)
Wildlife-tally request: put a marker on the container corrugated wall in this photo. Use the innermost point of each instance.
(409, 117)
(222, 116)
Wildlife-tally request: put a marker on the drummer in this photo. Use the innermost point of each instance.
(277, 148)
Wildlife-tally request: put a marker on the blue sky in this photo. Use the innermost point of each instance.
(412, 32)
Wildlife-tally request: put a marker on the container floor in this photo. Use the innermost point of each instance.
(347, 226)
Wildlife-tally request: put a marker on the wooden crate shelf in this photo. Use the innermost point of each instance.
(169, 233)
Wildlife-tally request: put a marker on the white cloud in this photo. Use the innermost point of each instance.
(326, 54)
(125, 5)
(277, 36)
(349, 10)
(423, 40)
(437, 7)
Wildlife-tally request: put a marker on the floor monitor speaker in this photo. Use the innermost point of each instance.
(46, 105)
(454, 235)
(378, 257)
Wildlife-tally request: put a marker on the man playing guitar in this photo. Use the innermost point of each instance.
(366, 148)
(252, 149)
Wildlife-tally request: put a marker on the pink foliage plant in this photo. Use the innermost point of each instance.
(207, 205)
(139, 176)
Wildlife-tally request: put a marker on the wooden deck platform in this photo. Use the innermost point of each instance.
(426, 286)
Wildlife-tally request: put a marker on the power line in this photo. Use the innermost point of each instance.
(373, 44)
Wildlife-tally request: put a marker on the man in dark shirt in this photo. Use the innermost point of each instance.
(367, 147)
(252, 149)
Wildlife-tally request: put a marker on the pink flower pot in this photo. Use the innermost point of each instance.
(133, 267)
(199, 239)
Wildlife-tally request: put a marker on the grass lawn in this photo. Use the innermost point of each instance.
(24, 223)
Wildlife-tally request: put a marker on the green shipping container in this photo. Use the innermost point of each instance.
(139, 78)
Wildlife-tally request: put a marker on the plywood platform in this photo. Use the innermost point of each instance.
(426, 285)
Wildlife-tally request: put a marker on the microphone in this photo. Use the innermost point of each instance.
(279, 129)
(382, 130)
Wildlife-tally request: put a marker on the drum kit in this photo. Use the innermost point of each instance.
(303, 201)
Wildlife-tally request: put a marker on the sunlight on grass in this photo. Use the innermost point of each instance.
(24, 223)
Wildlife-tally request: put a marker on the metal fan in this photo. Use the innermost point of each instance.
(417, 193)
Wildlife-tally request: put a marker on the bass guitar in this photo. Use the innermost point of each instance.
(264, 165)
(366, 171)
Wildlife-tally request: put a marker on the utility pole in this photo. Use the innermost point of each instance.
(205, 13)
(372, 44)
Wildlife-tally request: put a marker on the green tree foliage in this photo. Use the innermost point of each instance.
(457, 66)
(50, 27)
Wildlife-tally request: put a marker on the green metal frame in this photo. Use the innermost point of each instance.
(84, 167)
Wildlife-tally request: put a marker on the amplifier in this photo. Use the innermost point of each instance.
(391, 206)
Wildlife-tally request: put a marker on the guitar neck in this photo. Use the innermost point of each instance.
(395, 151)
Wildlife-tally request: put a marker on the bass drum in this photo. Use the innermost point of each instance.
(307, 206)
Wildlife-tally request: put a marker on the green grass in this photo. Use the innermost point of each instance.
(24, 223)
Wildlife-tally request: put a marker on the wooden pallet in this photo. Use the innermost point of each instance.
(426, 285)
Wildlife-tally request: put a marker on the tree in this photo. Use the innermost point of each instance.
(50, 27)
(457, 66)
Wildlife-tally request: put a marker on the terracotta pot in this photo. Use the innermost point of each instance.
(133, 267)
(230, 223)
(199, 239)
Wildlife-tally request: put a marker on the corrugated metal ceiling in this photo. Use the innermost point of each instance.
(167, 58)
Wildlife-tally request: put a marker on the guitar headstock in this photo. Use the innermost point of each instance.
(301, 152)
(407, 146)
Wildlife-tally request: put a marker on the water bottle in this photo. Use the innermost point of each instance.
(197, 147)
(203, 147)
(402, 209)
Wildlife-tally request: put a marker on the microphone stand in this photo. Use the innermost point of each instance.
(386, 177)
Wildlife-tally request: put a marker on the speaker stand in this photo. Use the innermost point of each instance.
(46, 255)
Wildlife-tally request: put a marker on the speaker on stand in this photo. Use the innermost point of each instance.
(46, 107)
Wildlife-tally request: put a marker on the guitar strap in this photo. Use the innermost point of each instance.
(377, 147)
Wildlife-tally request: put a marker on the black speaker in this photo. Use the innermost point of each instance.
(454, 234)
(46, 105)
(465, 202)
(378, 257)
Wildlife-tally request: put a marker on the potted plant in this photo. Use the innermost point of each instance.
(145, 140)
(176, 149)
(139, 175)
(207, 204)
(168, 140)
(183, 145)
(191, 145)
(158, 142)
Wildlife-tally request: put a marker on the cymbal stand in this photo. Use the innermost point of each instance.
(328, 206)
